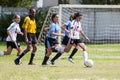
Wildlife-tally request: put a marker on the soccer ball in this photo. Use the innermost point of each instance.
(89, 63)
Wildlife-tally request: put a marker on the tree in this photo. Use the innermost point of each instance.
(114, 2)
(16, 3)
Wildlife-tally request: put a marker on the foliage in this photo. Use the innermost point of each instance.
(40, 17)
(5, 21)
(16, 3)
(100, 1)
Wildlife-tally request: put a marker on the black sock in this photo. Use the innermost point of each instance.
(56, 57)
(31, 58)
(73, 52)
(23, 53)
(45, 60)
(45, 51)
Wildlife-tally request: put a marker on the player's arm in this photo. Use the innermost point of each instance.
(57, 34)
(52, 31)
(21, 33)
(9, 34)
(46, 28)
(71, 29)
(84, 35)
(64, 28)
(18, 30)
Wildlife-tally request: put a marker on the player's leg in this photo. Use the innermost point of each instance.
(9, 49)
(17, 60)
(46, 57)
(48, 43)
(34, 49)
(70, 58)
(64, 44)
(33, 54)
(85, 54)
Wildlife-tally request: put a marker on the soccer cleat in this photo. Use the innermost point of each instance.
(70, 60)
(31, 63)
(51, 62)
(17, 62)
(44, 64)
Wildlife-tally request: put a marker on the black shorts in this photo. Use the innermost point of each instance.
(32, 39)
(66, 40)
(76, 41)
(50, 42)
(12, 44)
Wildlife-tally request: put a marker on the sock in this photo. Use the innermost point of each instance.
(56, 57)
(60, 48)
(45, 60)
(20, 56)
(32, 57)
(73, 52)
(45, 51)
(85, 55)
(1, 53)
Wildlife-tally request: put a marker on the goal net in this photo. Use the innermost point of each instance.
(101, 23)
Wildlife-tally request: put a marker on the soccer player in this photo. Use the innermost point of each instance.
(76, 31)
(12, 32)
(51, 38)
(67, 42)
(29, 27)
(74, 38)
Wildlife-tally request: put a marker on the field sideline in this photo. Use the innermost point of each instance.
(106, 59)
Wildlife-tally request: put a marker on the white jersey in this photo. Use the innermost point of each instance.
(13, 29)
(76, 27)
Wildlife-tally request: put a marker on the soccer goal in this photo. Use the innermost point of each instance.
(101, 23)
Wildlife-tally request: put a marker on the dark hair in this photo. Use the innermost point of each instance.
(72, 17)
(53, 16)
(77, 15)
(30, 10)
(15, 16)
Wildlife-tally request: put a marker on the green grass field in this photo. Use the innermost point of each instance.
(106, 59)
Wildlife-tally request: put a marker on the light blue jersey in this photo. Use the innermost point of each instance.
(68, 25)
(55, 28)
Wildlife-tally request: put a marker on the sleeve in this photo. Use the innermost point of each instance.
(52, 27)
(11, 26)
(67, 23)
(25, 24)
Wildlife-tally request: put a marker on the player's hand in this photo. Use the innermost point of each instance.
(62, 34)
(87, 39)
(26, 40)
(22, 33)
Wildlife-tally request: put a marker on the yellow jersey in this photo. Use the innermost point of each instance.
(29, 25)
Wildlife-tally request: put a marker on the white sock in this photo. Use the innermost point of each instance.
(60, 48)
(1, 53)
(85, 55)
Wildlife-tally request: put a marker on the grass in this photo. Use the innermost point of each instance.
(106, 59)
